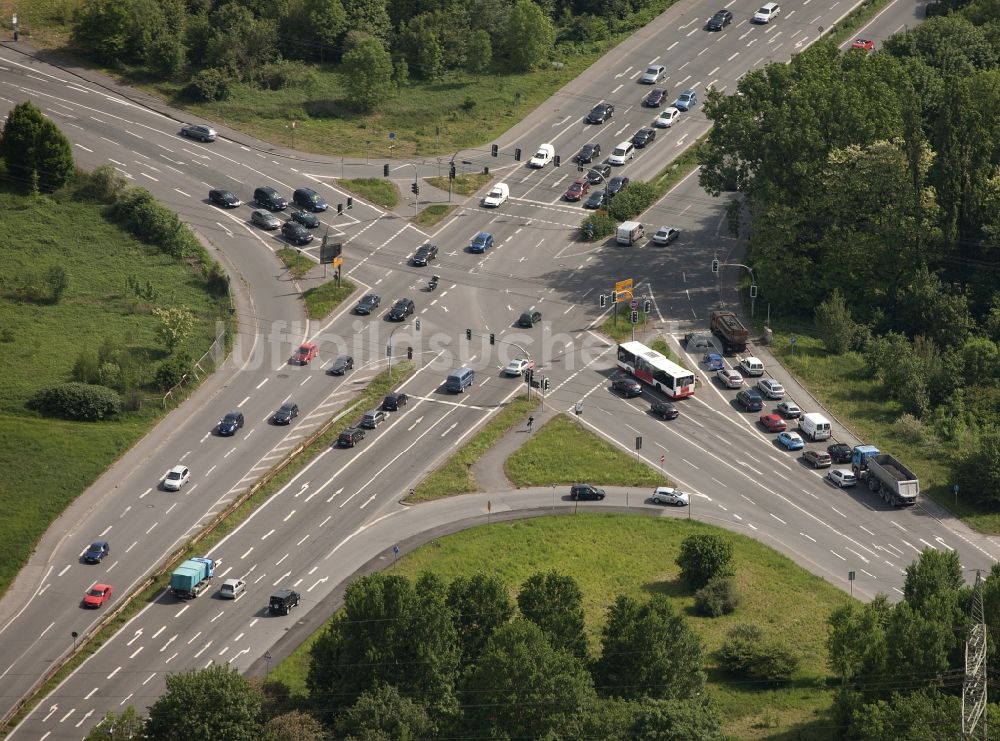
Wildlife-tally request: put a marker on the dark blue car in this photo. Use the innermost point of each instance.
(481, 242)
(230, 423)
(97, 551)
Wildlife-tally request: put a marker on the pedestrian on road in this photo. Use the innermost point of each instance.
(531, 421)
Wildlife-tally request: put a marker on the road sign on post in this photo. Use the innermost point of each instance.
(623, 289)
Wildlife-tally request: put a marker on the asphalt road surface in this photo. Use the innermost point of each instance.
(343, 509)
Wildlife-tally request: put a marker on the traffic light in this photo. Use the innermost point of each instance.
(753, 291)
(517, 154)
(495, 150)
(468, 334)
(415, 188)
(340, 209)
(646, 306)
(385, 171)
(350, 202)
(603, 300)
(529, 376)
(545, 384)
(557, 161)
(614, 297)
(486, 171)
(416, 324)
(451, 172)
(715, 266)
(409, 353)
(635, 317)
(493, 339)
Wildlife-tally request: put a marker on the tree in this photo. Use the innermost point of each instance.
(696, 719)
(36, 152)
(522, 687)
(294, 725)
(858, 644)
(216, 703)
(554, 603)
(371, 17)
(637, 657)
(240, 43)
(703, 557)
(836, 325)
(479, 51)
(934, 574)
(101, 28)
(176, 324)
(924, 715)
(382, 714)
(528, 36)
(367, 68)
(978, 471)
(480, 605)
(327, 22)
(126, 726)
(632, 201)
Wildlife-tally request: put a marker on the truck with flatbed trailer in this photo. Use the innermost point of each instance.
(192, 577)
(730, 331)
(886, 476)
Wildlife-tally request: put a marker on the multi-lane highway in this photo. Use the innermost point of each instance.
(345, 503)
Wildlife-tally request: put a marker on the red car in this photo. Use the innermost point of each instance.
(773, 422)
(97, 595)
(577, 190)
(863, 44)
(304, 354)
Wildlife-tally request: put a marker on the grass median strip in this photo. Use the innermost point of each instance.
(564, 452)
(323, 299)
(369, 398)
(463, 185)
(455, 476)
(379, 191)
(434, 213)
(298, 264)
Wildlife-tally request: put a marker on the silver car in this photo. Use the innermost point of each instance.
(669, 495)
(232, 588)
(199, 131)
(264, 219)
(656, 73)
(373, 419)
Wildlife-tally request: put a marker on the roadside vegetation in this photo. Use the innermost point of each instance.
(323, 299)
(877, 237)
(106, 303)
(380, 191)
(618, 326)
(298, 265)
(434, 213)
(463, 185)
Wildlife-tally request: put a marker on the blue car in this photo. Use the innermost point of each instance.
(481, 242)
(687, 100)
(713, 361)
(791, 440)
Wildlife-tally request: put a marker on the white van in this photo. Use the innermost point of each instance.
(815, 426)
(751, 366)
(622, 153)
(629, 233)
(767, 13)
(543, 156)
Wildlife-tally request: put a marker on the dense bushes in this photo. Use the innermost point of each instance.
(172, 371)
(597, 226)
(718, 597)
(631, 201)
(703, 557)
(746, 653)
(79, 401)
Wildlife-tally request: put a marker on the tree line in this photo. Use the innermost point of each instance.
(872, 184)
(376, 44)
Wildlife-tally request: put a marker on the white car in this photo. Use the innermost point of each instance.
(730, 378)
(176, 478)
(518, 366)
(232, 588)
(667, 118)
(771, 388)
(767, 12)
(669, 495)
(542, 157)
(497, 195)
(666, 235)
(656, 73)
(841, 477)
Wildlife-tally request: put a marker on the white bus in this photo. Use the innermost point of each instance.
(654, 368)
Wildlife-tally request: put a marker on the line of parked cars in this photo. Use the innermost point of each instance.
(296, 228)
(371, 420)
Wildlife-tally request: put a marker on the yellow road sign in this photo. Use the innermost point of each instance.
(337, 262)
(624, 290)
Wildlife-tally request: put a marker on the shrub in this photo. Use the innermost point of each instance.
(703, 557)
(102, 185)
(86, 367)
(632, 201)
(597, 226)
(152, 222)
(80, 401)
(57, 280)
(746, 654)
(286, 73)
(718, 597)
(172, 371)
(209, 85)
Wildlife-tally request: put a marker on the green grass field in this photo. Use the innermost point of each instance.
(621, 554)
(374, 190)
(46, 463)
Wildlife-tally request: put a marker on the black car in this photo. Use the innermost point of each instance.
(617, 184)
(655, 98)
(283, 601)
(719, 21)
(309, 199)
(529, 319)
(601, 113)
(597, 199)
(296, 233)
(392, 402)
(270, 199)
(589, 152)
(664, 409)
(840, 452)
(341, 365)
(643, 137)
(350, 437)
(400, 310)
(367, 304)
(286, 413)
(308, 220)
(97, 551)
(230, 423)
(424, 254)
(627, 387)
(224, 198)
(598, 173)
(585, 491)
